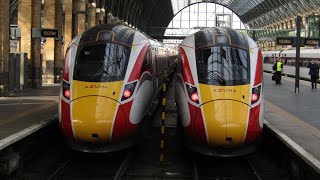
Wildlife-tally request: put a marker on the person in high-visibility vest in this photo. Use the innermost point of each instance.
(278, 71)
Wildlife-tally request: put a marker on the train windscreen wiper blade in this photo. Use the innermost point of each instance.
(221, 80)
(218, 78)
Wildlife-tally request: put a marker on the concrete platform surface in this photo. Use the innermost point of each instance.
(26, 109)
(295, 116)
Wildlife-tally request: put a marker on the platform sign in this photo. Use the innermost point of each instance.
(312, 41)
(285, 40)
(54, 33)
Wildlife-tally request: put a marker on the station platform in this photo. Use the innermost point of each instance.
(27, 111)
(294, 117)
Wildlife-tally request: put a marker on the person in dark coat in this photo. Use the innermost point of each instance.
(314, 74)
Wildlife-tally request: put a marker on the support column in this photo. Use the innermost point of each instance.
(48, 47)
(67, 23)
(74, 18)
(24, 22)
(98, 16)
(5, 34)
(1, 40)
(101, 11)
(4, 45)
(36, 45)
(81, 16)
(109, 18)
(92, 14)
(58, 54)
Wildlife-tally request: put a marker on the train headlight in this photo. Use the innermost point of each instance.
(193, 93)
(66, 90)
(255, 95)
(128, 90)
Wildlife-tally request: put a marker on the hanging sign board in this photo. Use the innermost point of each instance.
(284, 40)
(312, 41)
(49, 33)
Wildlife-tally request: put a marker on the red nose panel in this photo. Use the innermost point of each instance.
(254, 130)
(187, 75)
(65, 123)
(258, 76)
(196, 129)
(122, 127)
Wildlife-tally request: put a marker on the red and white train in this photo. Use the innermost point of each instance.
(219, 92)
(111, 76)
(288, 56)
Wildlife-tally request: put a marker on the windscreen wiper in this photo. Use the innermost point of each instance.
(219, 79)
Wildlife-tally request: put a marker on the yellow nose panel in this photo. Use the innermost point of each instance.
(93, 108)
(225, 112)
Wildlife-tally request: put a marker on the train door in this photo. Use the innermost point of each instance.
(147, 63)
(154, 67)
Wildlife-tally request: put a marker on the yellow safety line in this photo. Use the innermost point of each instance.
(164, 101)
(161, 157)
(162, 130)
(164, 88)
(163, 116)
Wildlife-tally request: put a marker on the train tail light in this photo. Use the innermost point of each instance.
(127, 93)
(66, 90)
(255, 96)
(128, 90)
(194, 97)
(193, 93)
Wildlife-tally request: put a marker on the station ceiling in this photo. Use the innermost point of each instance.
(257, 13)
(159, 13)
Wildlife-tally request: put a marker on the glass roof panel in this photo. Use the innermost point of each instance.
(239, 7)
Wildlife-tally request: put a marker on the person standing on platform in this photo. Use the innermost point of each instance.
(314, 74)
(278, 71)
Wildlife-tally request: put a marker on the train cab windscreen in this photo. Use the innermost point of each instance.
(223, 66)
(101, 63)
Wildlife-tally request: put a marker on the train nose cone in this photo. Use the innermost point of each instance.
(226, 122)
(92, 118)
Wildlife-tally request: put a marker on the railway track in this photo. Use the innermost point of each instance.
(52, 160)
(144, 164)
(253, 167)
(254, 171)
(92, 166)
(55, 161)
(123, 167)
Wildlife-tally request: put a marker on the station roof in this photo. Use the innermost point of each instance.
(258, 13)
(254, 13)
(158, 13)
